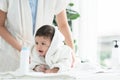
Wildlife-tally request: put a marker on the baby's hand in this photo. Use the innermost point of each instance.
(54, 70)
(40, 68)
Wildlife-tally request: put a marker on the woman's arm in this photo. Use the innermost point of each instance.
(5, 34)
(63, 25)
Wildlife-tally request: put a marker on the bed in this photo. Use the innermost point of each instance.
(83, 71)
(84, 76)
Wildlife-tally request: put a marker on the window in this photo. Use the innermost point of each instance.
(99, 21)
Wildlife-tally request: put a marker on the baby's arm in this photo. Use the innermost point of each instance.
(53, 70)
(39, 68)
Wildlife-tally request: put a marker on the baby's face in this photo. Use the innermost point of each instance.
(42, 44)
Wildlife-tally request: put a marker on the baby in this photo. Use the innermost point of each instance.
(50, 54)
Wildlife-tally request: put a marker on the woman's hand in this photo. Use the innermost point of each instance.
(73, 59)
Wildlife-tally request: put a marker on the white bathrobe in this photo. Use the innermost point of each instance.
(19, 24)
(58, 54)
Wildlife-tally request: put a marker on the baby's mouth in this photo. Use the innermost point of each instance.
(40, 51)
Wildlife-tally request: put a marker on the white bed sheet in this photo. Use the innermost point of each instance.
(81, 76)
(80, 72)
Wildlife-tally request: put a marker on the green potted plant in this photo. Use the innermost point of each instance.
(71, 15)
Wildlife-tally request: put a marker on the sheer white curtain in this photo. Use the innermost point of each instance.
(84, 29)
(108, 23)
(108, 17)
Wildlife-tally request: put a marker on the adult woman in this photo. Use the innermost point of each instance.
(17, 26)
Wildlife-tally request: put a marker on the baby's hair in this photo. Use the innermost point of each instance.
(46, 31)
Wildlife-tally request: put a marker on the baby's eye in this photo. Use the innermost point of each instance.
(43, 44)
(36, 43)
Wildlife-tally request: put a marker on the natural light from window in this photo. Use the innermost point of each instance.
(97, 26)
